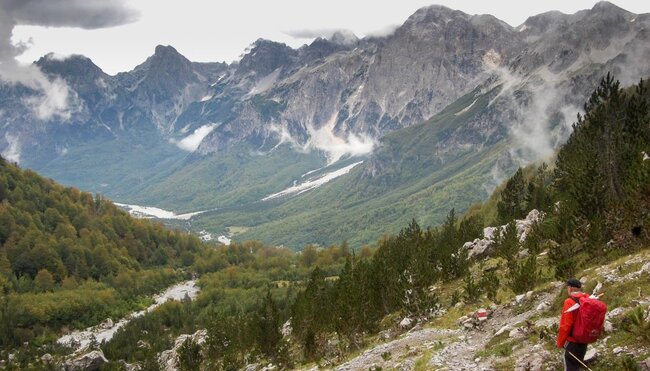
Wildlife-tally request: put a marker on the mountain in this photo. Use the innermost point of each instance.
(448, 102)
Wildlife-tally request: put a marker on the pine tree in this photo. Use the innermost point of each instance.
(513, 196)
(189, 356)
(268, 327)
(507, 242)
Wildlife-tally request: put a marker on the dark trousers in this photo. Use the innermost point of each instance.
(578, 350)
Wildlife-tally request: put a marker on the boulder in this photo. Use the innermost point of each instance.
(516, 333)
(406, 323)
(608, 326)
(520, 298)
(614, 313)
(130, 366)
(169, 358)
(106, 324)
(502, 330)
(47, 358)
(86, 362)
(591, 355)
(547, 322)
(543, 306)
(597, 289)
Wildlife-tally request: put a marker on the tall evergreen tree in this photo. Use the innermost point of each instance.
(513, 196)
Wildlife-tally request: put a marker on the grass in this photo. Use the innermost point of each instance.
(237, 230)
(422, 363)
(500, 350)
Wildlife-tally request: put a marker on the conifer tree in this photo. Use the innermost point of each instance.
(513, 196)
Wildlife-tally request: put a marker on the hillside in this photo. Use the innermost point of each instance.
(68, 259)
(519, 334)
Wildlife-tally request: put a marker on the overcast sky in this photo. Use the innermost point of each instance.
(208, 30)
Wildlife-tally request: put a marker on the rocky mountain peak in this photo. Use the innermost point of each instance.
(344, 37)
(167, 59)
(265, 56)
(73, 66)
(434, 14)
(540, 23)
(607, 7)
(165, 70)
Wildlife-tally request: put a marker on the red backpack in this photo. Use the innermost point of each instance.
(590, 318)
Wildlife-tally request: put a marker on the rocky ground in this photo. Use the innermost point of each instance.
(453, 349)
(519, 334)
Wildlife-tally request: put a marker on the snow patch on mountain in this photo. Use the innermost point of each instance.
(465, 109)
(312, 183)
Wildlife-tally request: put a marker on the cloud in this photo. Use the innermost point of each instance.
(88, 14)
(324, 140)
(12, 151)
(191, 142)
(53, 96)
(539, 114)
(312, 34)
(384, 31)
(338, 36)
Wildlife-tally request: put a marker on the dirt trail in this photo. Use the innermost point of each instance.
(452, 349)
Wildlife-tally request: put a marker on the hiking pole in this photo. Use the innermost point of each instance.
(578, 359)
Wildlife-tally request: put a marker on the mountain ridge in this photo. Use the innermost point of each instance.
(179, 125)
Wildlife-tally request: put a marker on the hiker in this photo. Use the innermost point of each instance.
(574, 351)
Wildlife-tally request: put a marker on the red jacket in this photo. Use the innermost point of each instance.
(567, 319)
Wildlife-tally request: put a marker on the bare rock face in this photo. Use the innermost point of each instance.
(86, 362)
(479, 247)
(168, 359)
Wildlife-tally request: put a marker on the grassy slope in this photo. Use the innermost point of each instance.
(117, 168)
(415, 183)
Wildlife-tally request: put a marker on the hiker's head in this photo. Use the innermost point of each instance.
(573, 285)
